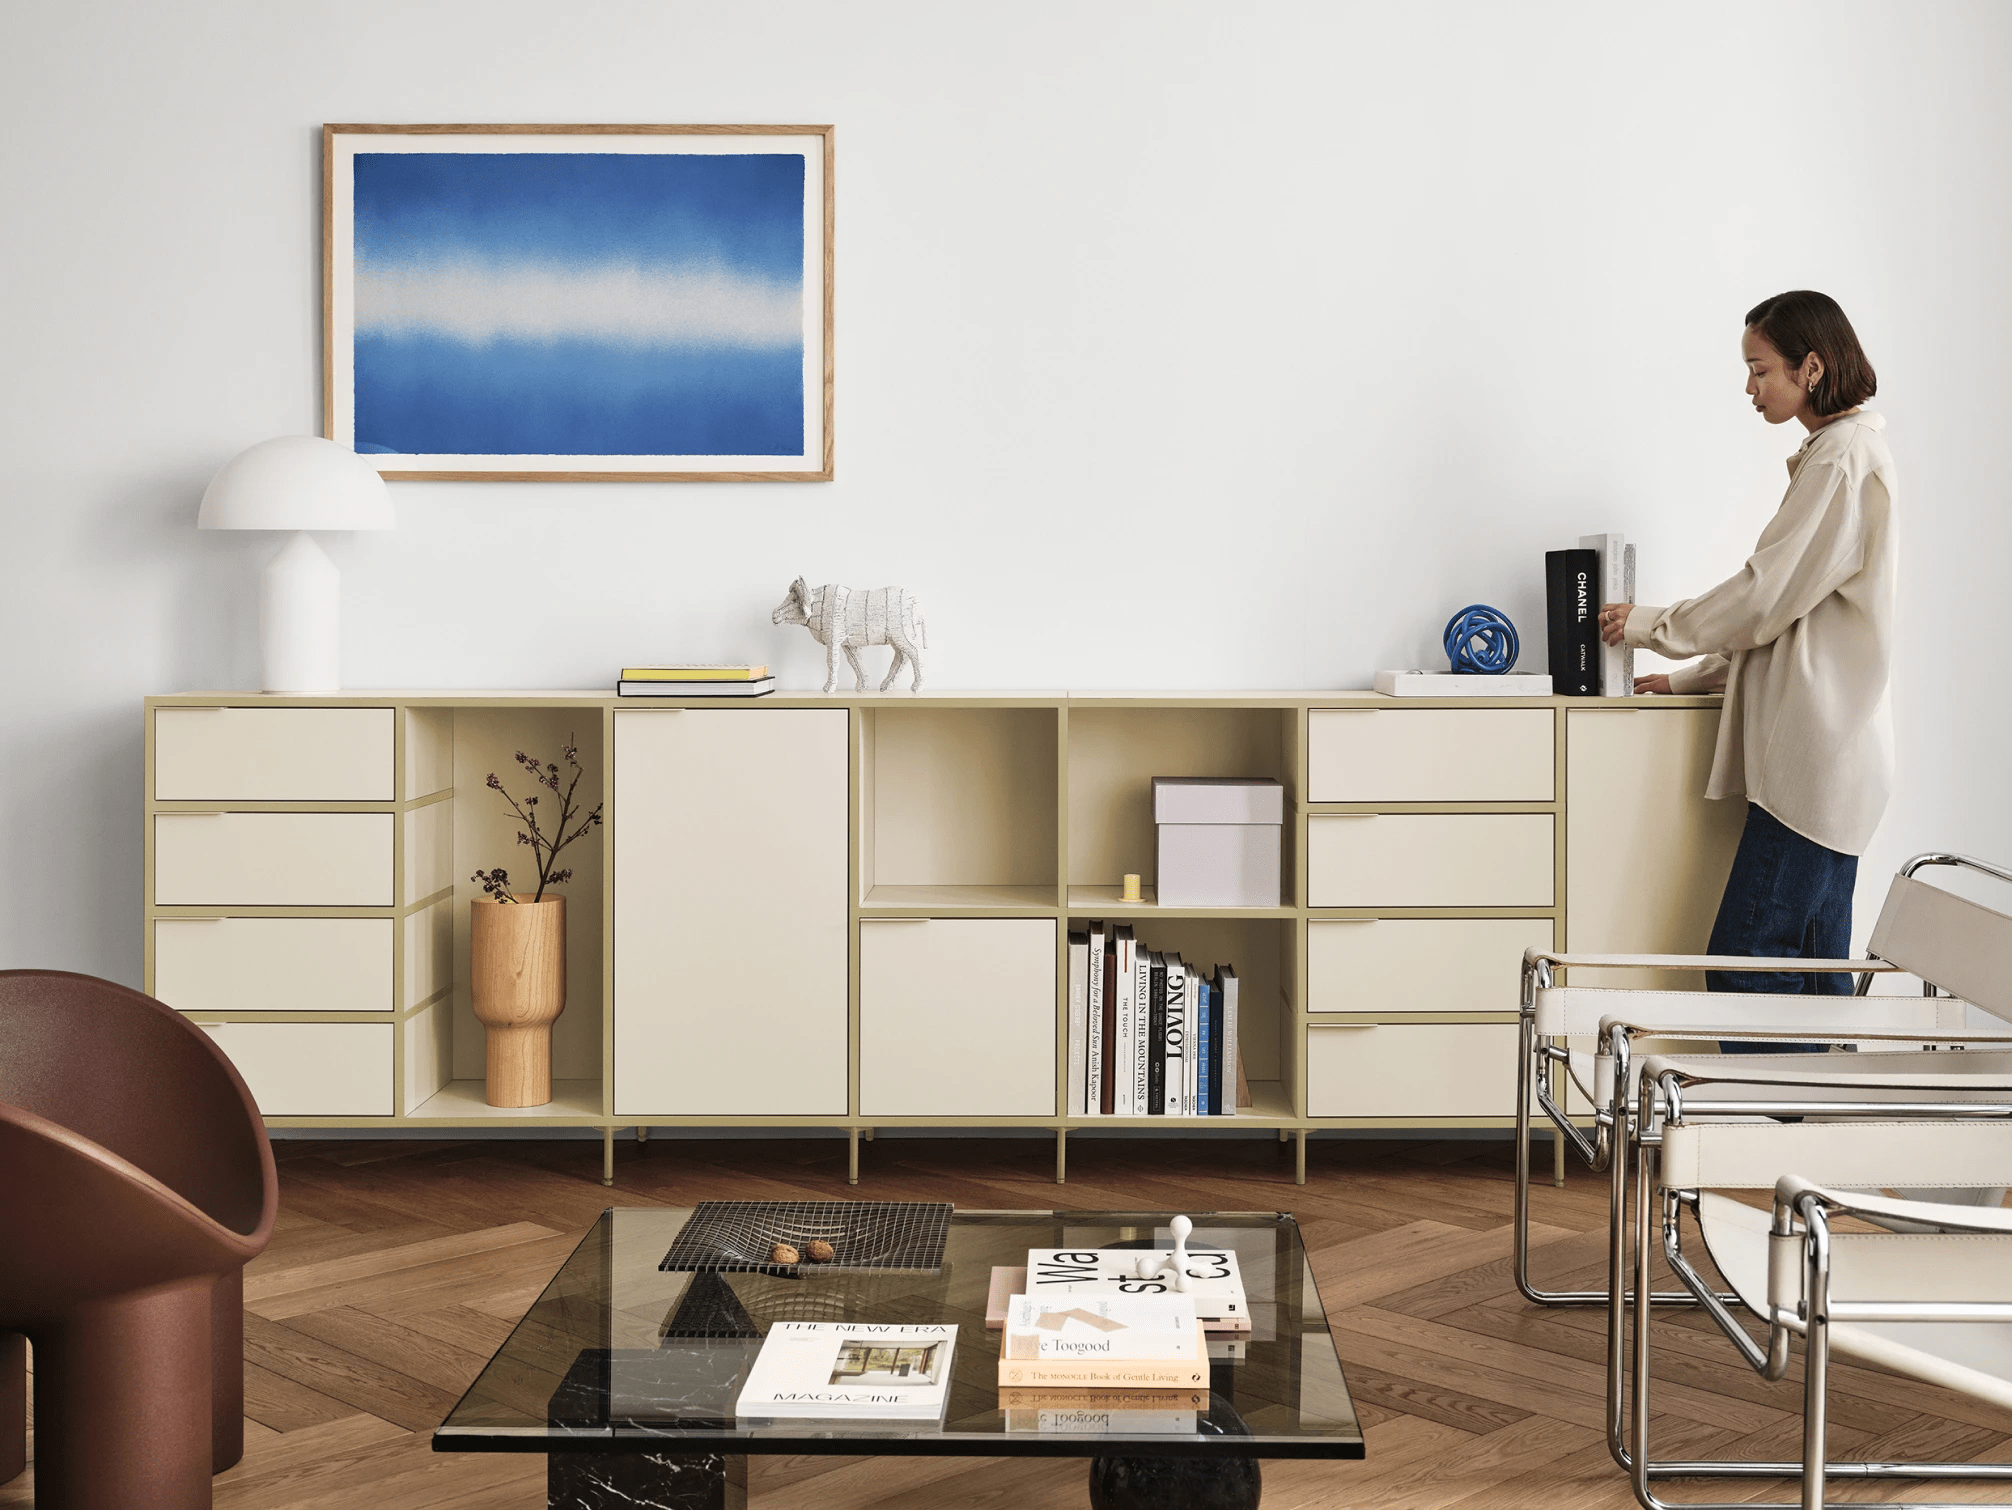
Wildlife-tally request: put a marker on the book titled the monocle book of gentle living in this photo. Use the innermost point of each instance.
(850, 1371)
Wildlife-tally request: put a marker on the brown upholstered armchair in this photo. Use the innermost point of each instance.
(135, 1183)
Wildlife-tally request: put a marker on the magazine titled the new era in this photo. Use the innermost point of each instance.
(850, 1371)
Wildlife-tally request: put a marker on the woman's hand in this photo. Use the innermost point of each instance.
(1614, 622)
(1659, 683)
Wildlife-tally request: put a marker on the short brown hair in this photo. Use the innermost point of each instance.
(1801, 321)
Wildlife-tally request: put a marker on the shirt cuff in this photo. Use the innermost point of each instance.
(1695, 679)
(1640, 618)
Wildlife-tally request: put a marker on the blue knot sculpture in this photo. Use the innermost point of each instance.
(1481, 641)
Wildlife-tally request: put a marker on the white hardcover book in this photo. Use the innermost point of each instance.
(1192, 1090)
(1628, 587)
(1142, 1035)
(1079, 1021)
(1127, 1035)
(838, 1370)
(1231, 1057)
(1173, 1092)
(1215, 1282)
(1101, 1328)
(1617, 668)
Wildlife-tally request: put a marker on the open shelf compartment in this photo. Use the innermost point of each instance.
(958, 808)
(1114, 754)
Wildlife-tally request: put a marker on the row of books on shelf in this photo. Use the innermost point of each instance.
(694, 680)
(1150, 1034)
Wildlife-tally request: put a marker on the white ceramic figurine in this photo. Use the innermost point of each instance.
(845, 618)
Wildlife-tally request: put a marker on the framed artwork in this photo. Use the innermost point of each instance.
(579, 303)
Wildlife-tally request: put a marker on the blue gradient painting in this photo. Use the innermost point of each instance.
(579, 304)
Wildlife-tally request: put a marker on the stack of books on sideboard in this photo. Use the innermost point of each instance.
(1150, 1034)
(693, 680)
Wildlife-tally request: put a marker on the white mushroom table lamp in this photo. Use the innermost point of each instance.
(298, 483)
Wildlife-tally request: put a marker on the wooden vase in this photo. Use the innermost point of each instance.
(517, 983)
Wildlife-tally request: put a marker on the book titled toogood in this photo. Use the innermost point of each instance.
(1101, 1327)
(850, 1371)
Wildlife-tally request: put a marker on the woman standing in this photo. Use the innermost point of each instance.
(1800, 639)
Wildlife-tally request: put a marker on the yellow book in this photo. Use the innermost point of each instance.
(693, 673)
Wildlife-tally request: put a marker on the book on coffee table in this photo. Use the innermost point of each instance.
(837, 1370)
(1215, 1284)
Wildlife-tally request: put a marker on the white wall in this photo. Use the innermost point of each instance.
(1340, 312)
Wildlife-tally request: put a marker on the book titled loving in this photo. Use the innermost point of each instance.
(848, 1370)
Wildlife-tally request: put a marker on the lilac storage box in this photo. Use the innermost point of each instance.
(1219, 840)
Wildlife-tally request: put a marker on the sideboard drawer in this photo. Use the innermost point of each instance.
(273, 964)
(1430, 860)
(1377, 754)
(1419, 964)
(1412, 1070)
(273, 754)
(273, 859)
(311, 1069)
(957, 1017)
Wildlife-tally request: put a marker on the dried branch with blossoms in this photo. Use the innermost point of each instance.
(545, 846)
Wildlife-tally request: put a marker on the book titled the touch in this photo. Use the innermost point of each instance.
(850, 1371)
(1102, 1328)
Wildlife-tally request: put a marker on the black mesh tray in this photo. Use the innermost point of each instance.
(736, 1236)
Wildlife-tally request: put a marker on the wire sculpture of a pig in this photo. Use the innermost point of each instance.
(847, 618)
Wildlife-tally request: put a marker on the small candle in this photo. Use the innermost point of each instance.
(1131, 887)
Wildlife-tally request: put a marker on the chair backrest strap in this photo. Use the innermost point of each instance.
(1959, 945)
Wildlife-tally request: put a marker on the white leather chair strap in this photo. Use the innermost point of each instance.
(1963, 947)
(1575, 1011)
(1931, 1153)
(1974, 1072)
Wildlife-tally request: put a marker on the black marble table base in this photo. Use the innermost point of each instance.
(1174, 1483)
(645, 1481)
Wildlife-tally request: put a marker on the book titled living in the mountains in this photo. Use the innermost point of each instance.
(850, 1370)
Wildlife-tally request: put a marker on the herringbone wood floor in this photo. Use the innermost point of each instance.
(399, 1267)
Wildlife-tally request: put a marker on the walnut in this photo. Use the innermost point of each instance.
(818, 1251)
(783, 1253)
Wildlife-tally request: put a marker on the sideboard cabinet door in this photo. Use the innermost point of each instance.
(1646, 855)
(730, 852)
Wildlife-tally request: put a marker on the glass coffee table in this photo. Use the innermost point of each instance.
(626, 1374)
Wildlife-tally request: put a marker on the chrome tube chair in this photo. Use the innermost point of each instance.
(1932, 933)
(1917, 928)
(1930, 1298)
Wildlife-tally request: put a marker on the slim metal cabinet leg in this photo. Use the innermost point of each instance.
(1299, 1158)
(1061, 1155)
(1557, 1158)
(1282, 1135)
(642, 1135)
(608, 1156)
(852, 1156)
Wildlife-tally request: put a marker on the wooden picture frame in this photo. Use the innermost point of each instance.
(579, 303)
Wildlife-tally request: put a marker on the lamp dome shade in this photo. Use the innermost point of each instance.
(296, 482)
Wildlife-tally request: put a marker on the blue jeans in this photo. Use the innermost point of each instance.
(1787, 898)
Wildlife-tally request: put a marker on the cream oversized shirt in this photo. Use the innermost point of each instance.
(1801, 638)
